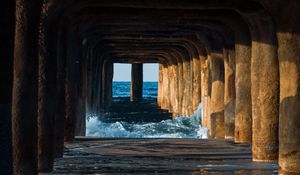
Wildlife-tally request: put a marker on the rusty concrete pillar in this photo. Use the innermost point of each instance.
(264, 88)
(7, 19)
(229, 93)
(289, 66)
(170, 74)
(217, 96)
(243, 105)
(163, 88)
(60, 104)
(46, 94)
(196, 83)
(159, 88)
(24, 107)
(186, 102)
(204, 93)
(136, 86)
(173, 89)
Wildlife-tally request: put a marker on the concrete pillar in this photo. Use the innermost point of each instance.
(264, 89)
(204, 93)
(60, 104)
(46, 96)
(71, 87)
(136, 86)
(80, 126)
(186, 99)
(170, 88)
(7, 19)
(174, 89)
(24, 107)
(243, 105)
(196, 83)
(289, 121)
(217, 96)
(165, 89)
(180, 86)
(229, 93)
(107, 83)
(160, 81)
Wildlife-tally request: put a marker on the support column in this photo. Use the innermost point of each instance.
(289, 116)
(60, 105)
(196, 83)
(264, 89)
(71, 87)
(174, 90)
(243, 106)
(165, 88)
(229, 93)
(24, 108)
(204, 94)
(7, 19)
(136, 87)
(217, 97)
(107, 83)
(160, 81)
(46, 95)
(186, 99)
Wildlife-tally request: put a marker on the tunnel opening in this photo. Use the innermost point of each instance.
(239, 59)
(134, 111)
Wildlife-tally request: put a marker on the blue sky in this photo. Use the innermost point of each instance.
(122, 72)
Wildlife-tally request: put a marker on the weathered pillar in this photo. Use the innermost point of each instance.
(24, 108)
(180, 85)
(174, 89)
(204, 93)
(136, 86)
(229, 93)
(264, 88)
(107, 83)
(186, 102)
(81, 109)
(46, 94)
(289, 65)
(61, 95)
(7, 19)
(243, 105)
(196, 83)
(165, 88)
(71, 88)
(217, 96)
(160, 81)
(289, 122)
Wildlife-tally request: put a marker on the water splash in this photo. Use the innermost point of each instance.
(179, 127)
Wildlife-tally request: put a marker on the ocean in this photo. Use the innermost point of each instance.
(179, 127)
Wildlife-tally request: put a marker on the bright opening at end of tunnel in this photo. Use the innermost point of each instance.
(142, 119)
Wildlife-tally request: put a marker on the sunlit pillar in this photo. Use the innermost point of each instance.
(229, 93)
(289, 116)
(217, 96)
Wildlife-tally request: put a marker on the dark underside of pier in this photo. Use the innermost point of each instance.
(159, 156)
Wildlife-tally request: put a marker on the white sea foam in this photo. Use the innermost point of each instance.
(180, 127)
